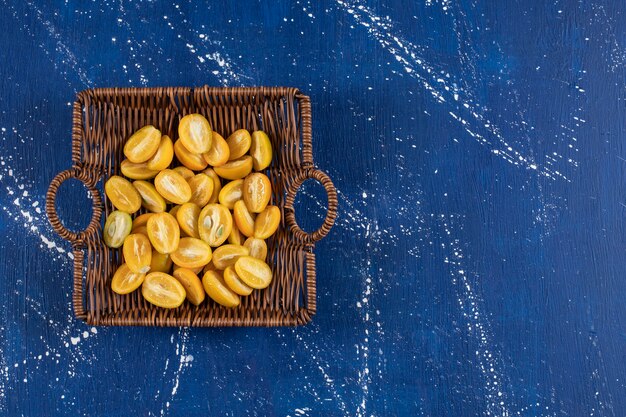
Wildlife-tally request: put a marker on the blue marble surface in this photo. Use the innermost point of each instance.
(476, 267)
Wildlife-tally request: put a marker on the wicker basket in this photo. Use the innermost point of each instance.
(104, 118)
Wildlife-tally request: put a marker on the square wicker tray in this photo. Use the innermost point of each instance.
(104, 118)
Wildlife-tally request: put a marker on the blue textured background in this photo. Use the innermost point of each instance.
(476, 267)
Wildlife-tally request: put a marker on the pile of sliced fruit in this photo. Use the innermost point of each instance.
(219, 215)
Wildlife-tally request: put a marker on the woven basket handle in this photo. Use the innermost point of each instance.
(331, 215)
(53, 217)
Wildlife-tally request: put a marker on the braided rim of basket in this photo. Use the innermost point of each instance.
(81, 239)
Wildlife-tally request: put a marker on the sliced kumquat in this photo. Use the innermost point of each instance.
(137, 171)
(253, 272)
(164, 232)
(201, 189)
(172, 186)
(189, 159)
(257, 248)
(143, 144)
(231, 193)
(137, 253)
(126, 281)
(117, 226)
(150, 198)
(214, 224)
(227, 255)
(235, 237)
(122, 194)
(238, 143)
(184, 172)
(163, 290)
(193, 285)
(195, 133)
(192, 253)
(260, 150)
(187, 216)
(257, 191)
(235, 283)
(235, 169)
(267, 222)
(217, 184)
(216, 288)
(243, 218)
(163, 156)
(219, 153)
